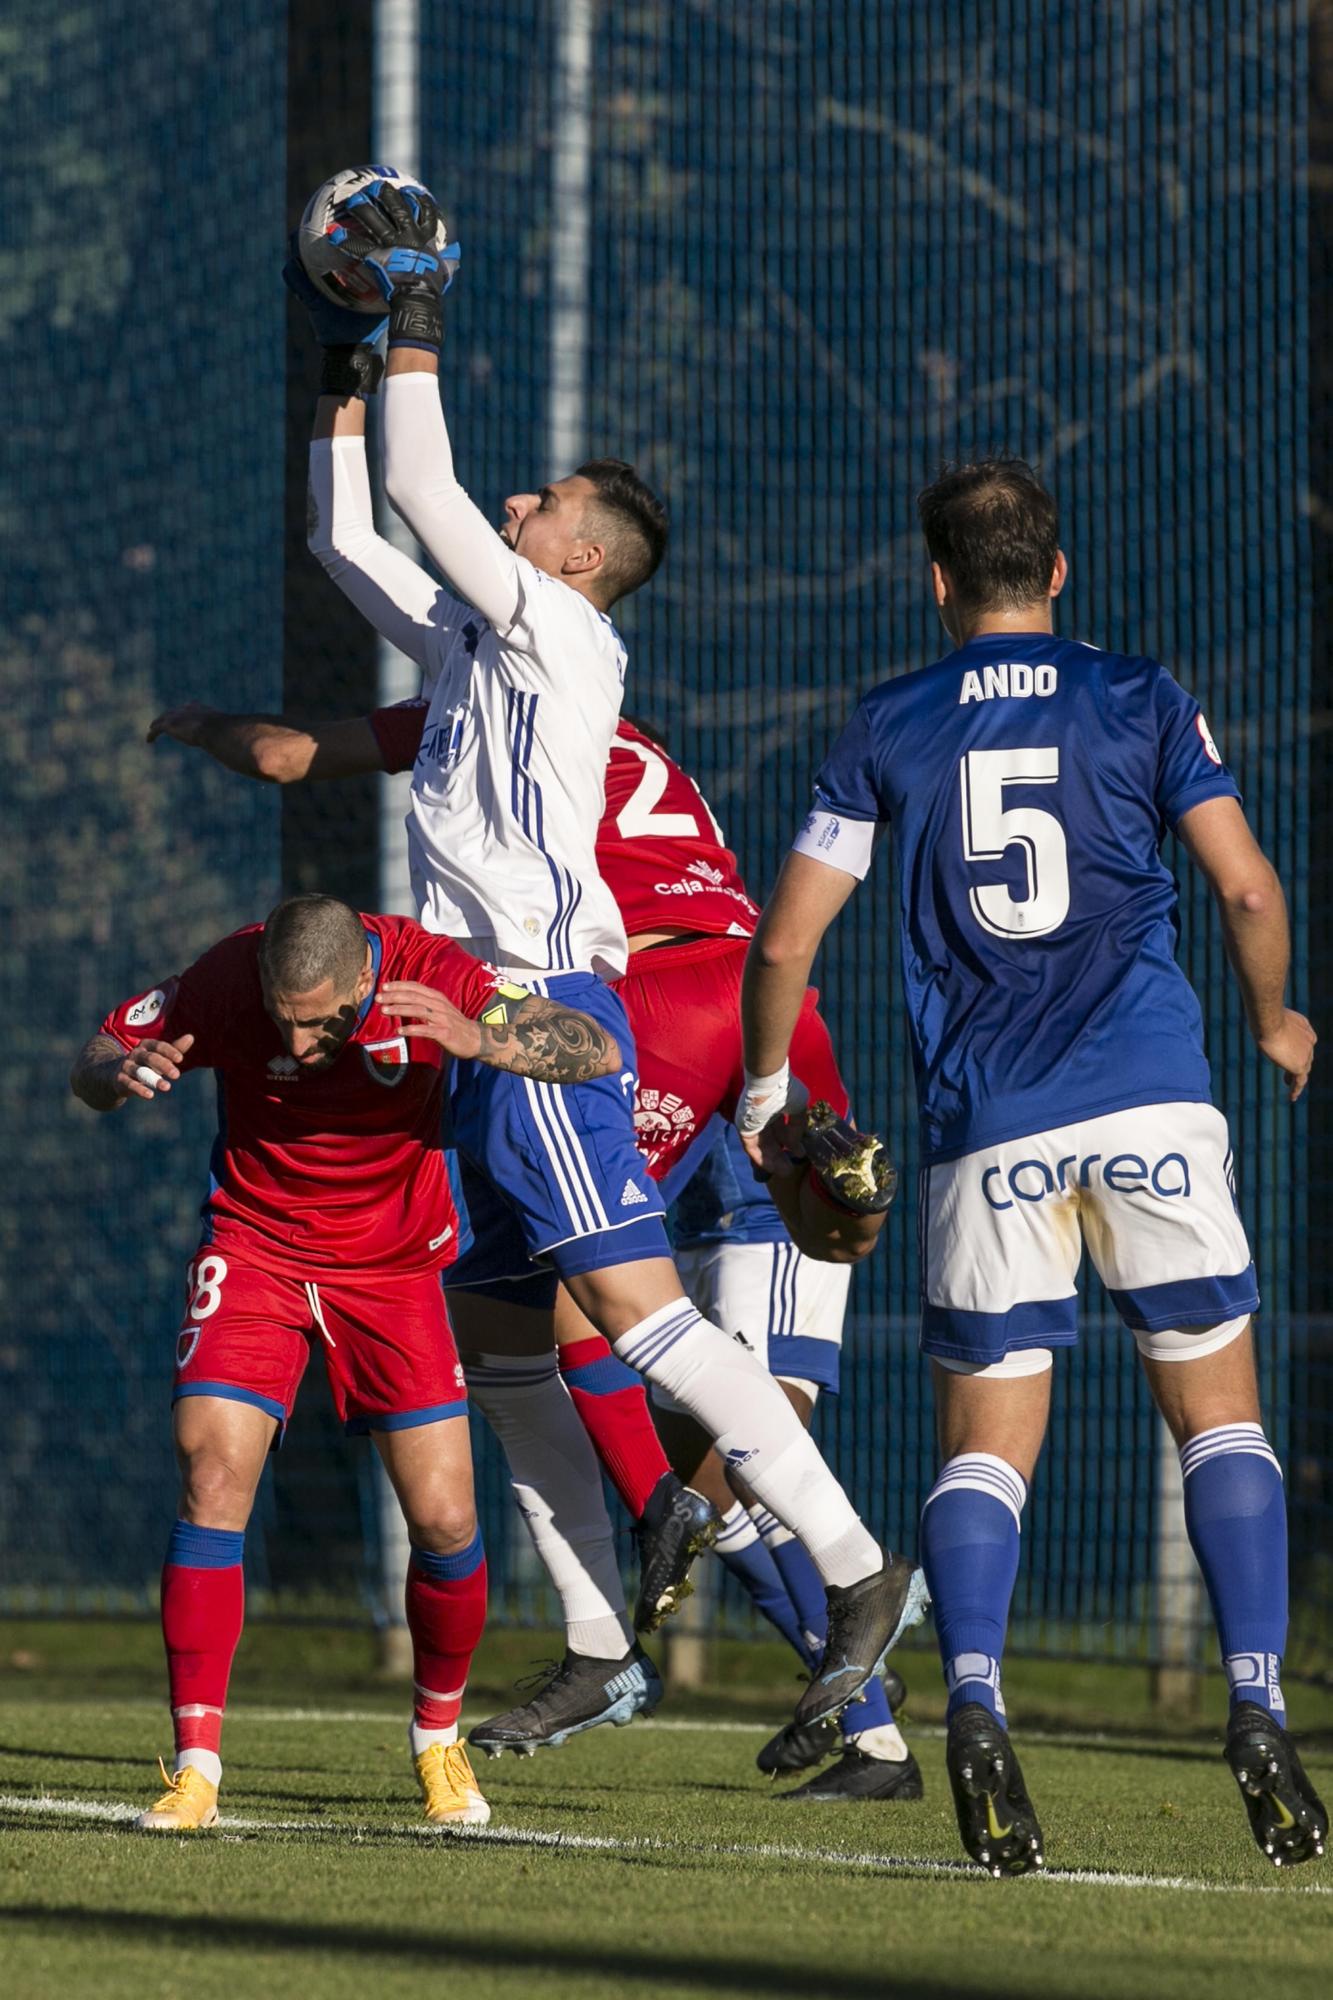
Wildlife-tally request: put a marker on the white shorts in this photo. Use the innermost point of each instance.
(1150, 1191)
(787, 1308)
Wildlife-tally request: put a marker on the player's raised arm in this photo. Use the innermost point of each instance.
(273, 750)
(404, 604)
(145, 1044)
(808, 896)
(1253, 910)
(518, 1031)
(398, 240)
(423, 488)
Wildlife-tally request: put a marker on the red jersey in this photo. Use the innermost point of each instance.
(313, 1167)
(659, 849)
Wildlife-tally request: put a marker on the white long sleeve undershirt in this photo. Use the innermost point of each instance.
(401, 601)
(423, 489)
(399, 598)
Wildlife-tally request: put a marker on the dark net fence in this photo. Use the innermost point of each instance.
(788, 259)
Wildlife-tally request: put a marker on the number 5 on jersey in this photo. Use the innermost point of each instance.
(990, 830)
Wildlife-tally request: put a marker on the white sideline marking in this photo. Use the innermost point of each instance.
(604, 1843)
(763, 1726)
(237, 1714)
(1058, 1739)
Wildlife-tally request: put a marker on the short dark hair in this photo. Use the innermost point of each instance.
(992, 525)
(634, 524)
(308, 939)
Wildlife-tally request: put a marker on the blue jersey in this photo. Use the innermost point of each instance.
(1029, 782)
(722, 1202)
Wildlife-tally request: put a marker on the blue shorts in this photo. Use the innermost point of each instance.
(552, 1178)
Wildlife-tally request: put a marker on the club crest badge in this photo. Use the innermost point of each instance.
(387, 1061)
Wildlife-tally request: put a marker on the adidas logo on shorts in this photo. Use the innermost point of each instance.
(632, 1197)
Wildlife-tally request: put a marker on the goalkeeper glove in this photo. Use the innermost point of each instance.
(352, 364)
(391, 232)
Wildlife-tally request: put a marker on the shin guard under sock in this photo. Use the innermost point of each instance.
(558, 1486)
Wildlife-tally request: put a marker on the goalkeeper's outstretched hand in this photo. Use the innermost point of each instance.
(391, 232)
(333, 326)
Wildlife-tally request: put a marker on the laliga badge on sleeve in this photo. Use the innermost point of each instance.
(146, 1010)
(1206, 738)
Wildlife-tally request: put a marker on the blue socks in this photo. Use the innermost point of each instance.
(1236, 1518)
(784, 1584)
(801, 1581)
(969, 1550)
(752, 1565)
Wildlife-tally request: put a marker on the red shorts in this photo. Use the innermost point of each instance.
(388, 1349)
(683, 1003)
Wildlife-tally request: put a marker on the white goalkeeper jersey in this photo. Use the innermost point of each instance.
(508, 786)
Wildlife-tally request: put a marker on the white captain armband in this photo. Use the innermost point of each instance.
(848, 844)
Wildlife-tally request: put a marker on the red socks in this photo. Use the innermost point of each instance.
(203, 1610)
(446, 1613)
(613, 1404)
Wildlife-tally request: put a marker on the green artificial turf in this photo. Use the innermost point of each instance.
(678, 1875)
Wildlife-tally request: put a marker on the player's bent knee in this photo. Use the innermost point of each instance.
(214, 1492)
(441, 1525)
(1189, 1343)
(1010, 1368)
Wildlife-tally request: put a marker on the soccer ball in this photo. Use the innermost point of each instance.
(329, 268)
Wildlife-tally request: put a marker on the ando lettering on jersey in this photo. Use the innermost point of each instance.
(1007, 680)
(1035, 1180)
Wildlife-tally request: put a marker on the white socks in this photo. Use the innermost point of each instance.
(884, 1742)
(771, 1531)
(758, 1434)
(558, 1486)
(206, 1762)
(737, 1532)
(422, 1739)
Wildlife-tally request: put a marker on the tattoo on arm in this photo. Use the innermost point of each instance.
(90, 1077)
(551, 1043)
